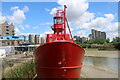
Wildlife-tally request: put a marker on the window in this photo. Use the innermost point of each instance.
(7, 29)
(1, 37)
(8, 38)
(54, 39)
(12, 43)
(50, 40)
(18, 42)
(3, 43)
(58, 21)
(7, 33)
(8, 43)
(61, 39)
(7, 26)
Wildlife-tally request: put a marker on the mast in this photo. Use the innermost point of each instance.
(65, 19)
(59, 27)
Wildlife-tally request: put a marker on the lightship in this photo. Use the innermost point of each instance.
(60, 56)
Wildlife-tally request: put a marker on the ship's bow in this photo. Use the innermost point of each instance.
(59, 60)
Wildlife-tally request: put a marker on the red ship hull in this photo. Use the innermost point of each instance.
(59, 60)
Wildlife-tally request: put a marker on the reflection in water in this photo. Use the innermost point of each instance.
(105, 63)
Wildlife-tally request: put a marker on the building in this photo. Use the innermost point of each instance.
(37, 39)
(11, 40)
(96, 35)
(99, 34)
(83, 39)
(80, 39)
(93, 34)
(7, 37)
(42, 40)
(77, 38)
(31, 38)
(7, 29)
(103, 35)
(90, 37)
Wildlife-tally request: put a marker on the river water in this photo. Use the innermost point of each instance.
(105, 63)
(101, 62)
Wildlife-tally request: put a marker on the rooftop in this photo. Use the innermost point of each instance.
(11, 38)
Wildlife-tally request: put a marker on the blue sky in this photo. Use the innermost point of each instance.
(101, 8)
(37, 17)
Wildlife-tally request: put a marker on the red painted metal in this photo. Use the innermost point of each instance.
(59, 57)
(59, 27)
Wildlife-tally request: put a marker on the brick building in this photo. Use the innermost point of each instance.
(11, 40)
(7, 29)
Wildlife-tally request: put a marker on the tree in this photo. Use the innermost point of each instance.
(116, 40)
(32, 43)
(99, 41)
(86, 42)
(108, 40)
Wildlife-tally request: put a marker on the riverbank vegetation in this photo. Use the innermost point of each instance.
(102, 44)
(22, 70)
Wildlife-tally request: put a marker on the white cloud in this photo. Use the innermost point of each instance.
(18, 32)
(76, 12)
(14, 8)
(18, 15)
(81, 33)
(35, 27)
(105, 24)
(83, 21)
(2, 18)
(53, 11)
(47, 23)
(100, 23)
(112, 30)
(112, 27)
(25, 9)
(117, 0)
(45, 33)
(67, 30)
(87, 16)
(22, 27)
(75, 8)
(109, 17)
(88, 21)
(27, 26)
(46, 9)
